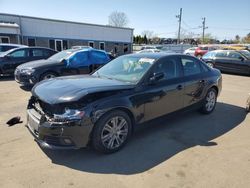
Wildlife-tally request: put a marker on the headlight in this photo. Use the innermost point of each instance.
(69, 115)
(27, 71)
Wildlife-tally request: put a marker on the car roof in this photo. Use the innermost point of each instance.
(152, 55)
(10, 44)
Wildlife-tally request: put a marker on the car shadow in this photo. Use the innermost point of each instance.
(6, 78)
(27, 88)
(155, 142)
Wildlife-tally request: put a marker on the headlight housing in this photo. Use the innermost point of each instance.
(27, 71)
(69, 115)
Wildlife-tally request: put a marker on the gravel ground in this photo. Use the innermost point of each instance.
(188, 150)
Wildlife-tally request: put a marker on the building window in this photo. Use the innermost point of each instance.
(116, 48)
(31, 42)
(102, 46)
(4, 39)
(91, 44)
(125, 48)
(52, 44)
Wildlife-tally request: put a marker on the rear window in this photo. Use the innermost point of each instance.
(6, 48)
(209, 55)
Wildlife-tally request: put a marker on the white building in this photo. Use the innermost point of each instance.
(60, 34)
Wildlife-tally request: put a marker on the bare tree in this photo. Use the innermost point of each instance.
(118, 19)
(149, 34)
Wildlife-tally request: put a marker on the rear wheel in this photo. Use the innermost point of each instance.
(112, 132)
(210, 101)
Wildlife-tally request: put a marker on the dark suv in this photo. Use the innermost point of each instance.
(10, 59)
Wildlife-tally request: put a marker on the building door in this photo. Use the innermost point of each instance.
(59, 45)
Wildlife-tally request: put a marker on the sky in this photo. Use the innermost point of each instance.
(224, 18)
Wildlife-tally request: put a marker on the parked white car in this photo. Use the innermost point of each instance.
(190, 51)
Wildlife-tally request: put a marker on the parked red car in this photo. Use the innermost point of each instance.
(201, 50)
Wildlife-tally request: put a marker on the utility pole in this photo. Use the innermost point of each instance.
(203, 29)
(179, 29)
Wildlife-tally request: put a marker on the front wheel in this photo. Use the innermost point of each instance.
(210, 101)
(111, 132)
(47, 75)
(210, 64)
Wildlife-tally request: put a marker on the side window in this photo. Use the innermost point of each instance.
(191, 66)
(79, 59)
(234, 55)
(221, 54)
(170, 67)
(19, 53)
(37, 53)
(99, 57)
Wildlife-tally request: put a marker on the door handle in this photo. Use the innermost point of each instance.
(179, 87)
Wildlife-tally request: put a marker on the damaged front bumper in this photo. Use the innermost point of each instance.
(58, 135)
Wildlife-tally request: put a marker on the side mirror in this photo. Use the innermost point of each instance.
(241, 58)
(156, 77)
(8, 56)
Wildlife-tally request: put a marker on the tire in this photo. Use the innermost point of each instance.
(47, 75)
(105, 138)
(209, 102)
(210, 64)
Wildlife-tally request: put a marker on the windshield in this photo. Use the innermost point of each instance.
(126, 69)
(2, 54)
(245, 53)
(62, 55)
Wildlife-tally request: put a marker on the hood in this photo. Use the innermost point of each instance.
(38, 63)
(73, 88)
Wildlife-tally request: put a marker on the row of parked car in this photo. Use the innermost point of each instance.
(33, 64)
(233, 59)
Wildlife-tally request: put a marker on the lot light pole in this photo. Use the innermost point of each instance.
(203, 29)
(179, 29)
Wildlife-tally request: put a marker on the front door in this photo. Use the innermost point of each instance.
(14, 59)
(59, 45)
(166, 95)
(238, 63)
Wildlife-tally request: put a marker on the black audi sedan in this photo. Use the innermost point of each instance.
(10, 59)
(102, 109)
(230, 61)
(67, 62)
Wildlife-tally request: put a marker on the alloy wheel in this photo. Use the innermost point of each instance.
(114, 132)
(48, 76)
(210, 100)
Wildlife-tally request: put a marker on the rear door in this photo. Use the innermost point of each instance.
(194, 80)
(36, 54)
(14, 59)
(166, 95)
